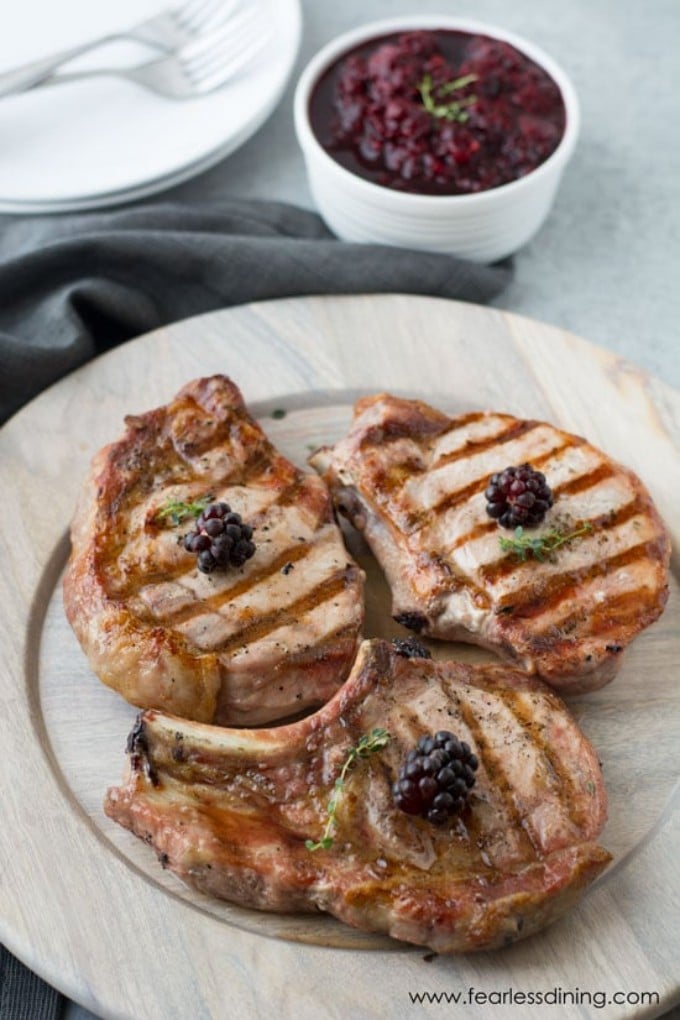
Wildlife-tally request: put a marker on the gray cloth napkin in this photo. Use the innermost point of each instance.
(23, 996)
(73, 286)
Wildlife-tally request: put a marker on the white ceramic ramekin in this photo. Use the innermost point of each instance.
(485, 226)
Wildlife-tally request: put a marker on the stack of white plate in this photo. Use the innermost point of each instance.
(104, 141)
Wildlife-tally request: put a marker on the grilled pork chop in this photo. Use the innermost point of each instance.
(413, 480)
(241, 646)
(230, 811)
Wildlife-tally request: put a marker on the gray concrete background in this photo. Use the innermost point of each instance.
(607, 263)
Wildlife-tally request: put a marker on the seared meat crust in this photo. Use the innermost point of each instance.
(245, 646)
(413, 480)
(229, 811)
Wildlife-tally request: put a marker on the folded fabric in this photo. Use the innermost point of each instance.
(74, 286)
(23, 996)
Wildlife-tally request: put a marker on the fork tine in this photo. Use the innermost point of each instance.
(223, 37)
(223, 73)
(201, 65)
(225, 66)
(184, 13)
(229, 50)
(197, 13)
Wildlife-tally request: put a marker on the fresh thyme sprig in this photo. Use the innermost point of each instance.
(177, 511)
(434, 101)
(371, 742)
(543, 546)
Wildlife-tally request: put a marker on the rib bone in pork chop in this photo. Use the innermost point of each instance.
(244, 645)
(413, 481)
(230, 811)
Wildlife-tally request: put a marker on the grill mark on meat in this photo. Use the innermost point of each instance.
(572, 486)
(585, 481)
(291, 493)
(474, 446)
(617, 611)
(532, 780)
(288, 497)
(534, 601)
(339, 646)
(507, 564)
(210, 603)
(490, 827)
(498, 779)
(444, 577)
(572, 801)
(453, 499)
(540, 459)
(323, 592)
(452, 577)
(387, 432)
(419, 518)
(331, 638)
(537, 461)
(620, 515)
(463, 419)
(397, 473)
(481, 528)
(477, 487)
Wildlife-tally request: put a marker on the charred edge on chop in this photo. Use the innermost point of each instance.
(244, 646)
(229, 811)
(413, 480)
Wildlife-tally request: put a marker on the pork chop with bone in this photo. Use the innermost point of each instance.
(233, 812)
(246, 645)
(413, 481)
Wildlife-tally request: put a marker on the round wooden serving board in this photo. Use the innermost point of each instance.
(88, 906)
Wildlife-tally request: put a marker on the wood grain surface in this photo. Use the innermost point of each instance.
(88, 906)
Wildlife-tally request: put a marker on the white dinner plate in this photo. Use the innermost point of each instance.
(107, 140)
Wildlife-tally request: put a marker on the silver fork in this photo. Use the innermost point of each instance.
(166, 31)
(197, 68)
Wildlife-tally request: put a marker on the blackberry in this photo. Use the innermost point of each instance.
(221, 539)
(412, 621)
(518, 496)
(436, 778)
(411, 648)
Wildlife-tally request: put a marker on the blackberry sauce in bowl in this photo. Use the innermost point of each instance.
(437, 112)
(435, 133)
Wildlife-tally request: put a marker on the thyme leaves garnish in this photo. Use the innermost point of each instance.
(368, 744)
(543, 546)
(177, 511)
(435, 100)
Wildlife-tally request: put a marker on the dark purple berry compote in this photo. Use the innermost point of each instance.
(439, 112)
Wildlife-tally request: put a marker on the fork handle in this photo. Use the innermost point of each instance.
(25, 77)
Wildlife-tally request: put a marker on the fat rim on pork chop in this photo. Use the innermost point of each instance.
(266, 640)
(232, 812)
(412, 480)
